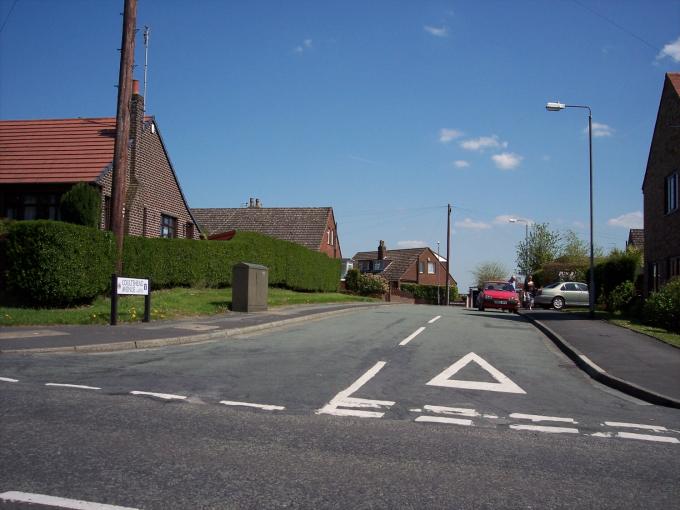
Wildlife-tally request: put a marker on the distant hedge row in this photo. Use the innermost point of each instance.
(51, 263)
(429, 293)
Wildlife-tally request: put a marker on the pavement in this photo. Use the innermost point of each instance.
(631, 362)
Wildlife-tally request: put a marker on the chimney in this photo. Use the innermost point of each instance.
(382, 250)
(136, 111)
(252, 202)
(258, 204)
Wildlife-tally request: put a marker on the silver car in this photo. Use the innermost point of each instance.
(561, 294)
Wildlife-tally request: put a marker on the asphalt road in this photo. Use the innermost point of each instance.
(478, 410)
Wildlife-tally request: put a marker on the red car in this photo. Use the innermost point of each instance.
(500, 295)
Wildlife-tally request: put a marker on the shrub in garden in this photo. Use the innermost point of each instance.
(621, 297)
(618, 267)
(81, 205)
(365, 284)
(662, 308)
(428, 293)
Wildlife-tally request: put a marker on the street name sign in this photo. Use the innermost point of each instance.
(133, 286)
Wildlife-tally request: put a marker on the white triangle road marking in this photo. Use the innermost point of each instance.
(504, 384)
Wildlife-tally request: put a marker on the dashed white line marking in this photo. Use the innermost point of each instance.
(8, 379)
(538, 417)
(164, 396)
(79, 386)
(442, 419)
(432, 321)
(642, 437)
(344, 399)
(655, 428)
(266, 407)
(541, 428)
(412, 335)
(54, 501)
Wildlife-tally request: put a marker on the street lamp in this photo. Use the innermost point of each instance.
(526, 238)
(556, 107)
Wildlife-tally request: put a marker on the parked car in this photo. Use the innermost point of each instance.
(499, 295)
(561, 294)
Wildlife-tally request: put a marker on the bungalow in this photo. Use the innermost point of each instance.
(412, 265)
(42, 159)
(312, 227)
(660, 189)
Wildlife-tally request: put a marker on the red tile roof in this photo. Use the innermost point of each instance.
(675, 81)
(59, 150)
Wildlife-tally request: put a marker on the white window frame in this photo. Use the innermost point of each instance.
(671, 193)
(432, 266)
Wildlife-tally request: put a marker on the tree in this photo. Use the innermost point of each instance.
(488, 271)
(81, 205)
(574, 249)
(541, 246)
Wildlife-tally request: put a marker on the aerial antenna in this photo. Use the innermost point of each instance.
(147, 31)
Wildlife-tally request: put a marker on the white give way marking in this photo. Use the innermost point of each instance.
(504, 384)
(53, 501)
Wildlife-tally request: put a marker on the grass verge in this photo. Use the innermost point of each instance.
(165, 304)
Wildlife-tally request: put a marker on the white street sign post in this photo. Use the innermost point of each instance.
(121, 285)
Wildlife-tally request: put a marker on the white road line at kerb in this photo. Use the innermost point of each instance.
(8, 379)
(442, 419)
(655, 428)
(538, 417)
(266, 407)
(431, 321)
(540, 428)
(412, 335)
(79, 386)
(164, 396)
(54, 501)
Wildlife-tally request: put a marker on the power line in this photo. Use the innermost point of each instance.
(8, 15)
(620, 27)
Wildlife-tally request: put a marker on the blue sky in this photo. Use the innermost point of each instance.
(384, 110)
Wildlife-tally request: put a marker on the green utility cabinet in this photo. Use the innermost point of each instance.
(249, 287)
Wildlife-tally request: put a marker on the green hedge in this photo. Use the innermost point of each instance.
(662, 308)
(429, 292)
(52, 263)
(618, 267)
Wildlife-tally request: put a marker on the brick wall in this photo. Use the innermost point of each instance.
(662, 231)
(332, 250)
(425, 278)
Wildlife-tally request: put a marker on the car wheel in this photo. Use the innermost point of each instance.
(558, 303)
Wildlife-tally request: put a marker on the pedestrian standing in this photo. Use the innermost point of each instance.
(530, 290)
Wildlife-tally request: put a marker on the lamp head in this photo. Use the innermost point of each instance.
(555, 107)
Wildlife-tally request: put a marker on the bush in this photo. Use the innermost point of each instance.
(617, 268)
(81, 205)
(365, 284)
(428, 293)
(621, 297)
(53, 263)
(662, 308)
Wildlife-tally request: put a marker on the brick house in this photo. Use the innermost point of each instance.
(312, 227)
(660, 189)
(42, 159)
(636, 239)
(411, 265)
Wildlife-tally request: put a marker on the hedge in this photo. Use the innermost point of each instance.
(52, 263)
(429, 292)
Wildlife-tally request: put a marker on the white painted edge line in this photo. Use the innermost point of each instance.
(164, 396)
(537, 417)
(8, 379)
(54, 501)
(266, 407)
(540, 428)
(655, 428)
(432, 321)
(442, 419)
(412, 335)
(344, 399)
(642, 437)
(79, 386)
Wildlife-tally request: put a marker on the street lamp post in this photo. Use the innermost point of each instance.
(439, 263)
(556, 107)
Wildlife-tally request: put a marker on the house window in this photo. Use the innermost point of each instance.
(430, 268)
(168, 226)
(30, 206)
(330, 237)
(653, 275)
(671, 202)
(377, 265)
(421, 267)
(190, 230)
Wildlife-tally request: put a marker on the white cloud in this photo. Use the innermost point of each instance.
(600, 130)
(446, 135)
(306, 45)
(411, 244)
(628, 220)
(671, 50)
(507, 160)
(460, 163)
(483, 142)
(437, 31)
(472, 225)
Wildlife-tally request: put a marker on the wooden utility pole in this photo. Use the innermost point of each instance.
(120, 149)
(448, 253)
